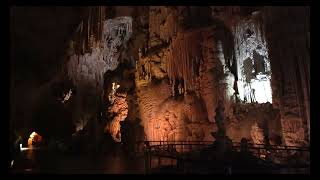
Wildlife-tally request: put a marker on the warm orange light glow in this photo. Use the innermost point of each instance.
(34, 138)
(263, 156)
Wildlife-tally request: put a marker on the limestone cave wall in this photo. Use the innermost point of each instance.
(158, 73)
(288, 38)
(176, 81)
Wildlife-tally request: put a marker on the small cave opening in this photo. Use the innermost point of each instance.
(34, 139)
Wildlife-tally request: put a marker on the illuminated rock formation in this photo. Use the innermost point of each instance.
(160, 71)
(119, 112)
(87, 70)
(227, 61)
(90, 67)
(254, 69)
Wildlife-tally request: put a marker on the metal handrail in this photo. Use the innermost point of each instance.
(158, 152)
(235, 144)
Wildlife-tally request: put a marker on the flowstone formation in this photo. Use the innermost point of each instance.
(254, 70)
(224, 57)
(87, 69)
(176, 64)
(90, 67)
(119, 112)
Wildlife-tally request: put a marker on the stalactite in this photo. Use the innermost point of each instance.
(170, 26)
(286, 33)
(249, 47)
(184, 58)
(87, 68)
(154, 21)
(90, 30)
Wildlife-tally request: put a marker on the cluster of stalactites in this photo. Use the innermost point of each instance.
(116, 34)
(184, 58)
(254, 70)
(143, 68)
(89, 32)
(89, 68)
(170, 27)
(249, 37)
(163, 22)
(154, 20)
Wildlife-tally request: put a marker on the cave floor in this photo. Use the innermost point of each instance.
(44, 161)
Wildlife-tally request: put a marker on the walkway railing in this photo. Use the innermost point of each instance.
(168, 153)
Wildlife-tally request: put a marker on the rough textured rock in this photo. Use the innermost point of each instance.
(173, 65)
(257, 134)
(88, 69)
(254, 71)
(165, 118)
(287, 34)
(255, 122)
(119, 112)
(192, 58)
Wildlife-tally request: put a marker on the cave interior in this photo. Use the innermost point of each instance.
(92, 78)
